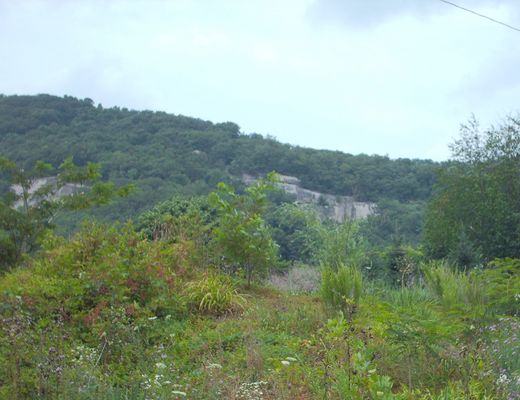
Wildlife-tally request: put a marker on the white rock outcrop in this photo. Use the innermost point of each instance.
(338, 208)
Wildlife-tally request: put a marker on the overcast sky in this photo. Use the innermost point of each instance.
(392, 77)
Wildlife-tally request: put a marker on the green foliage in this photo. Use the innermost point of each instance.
(348, 368)
(410, 297)
(110, 314)
(418, 336)
(240, 229)
(115, 312)
(394, 221)
(476, 208)
(215, 294)
(101, 290)
(165, 154)
(341, 288)
(177, 218)
(455, 289)
(29, 210)
(339, 244)
(502, 285)
(296, 230)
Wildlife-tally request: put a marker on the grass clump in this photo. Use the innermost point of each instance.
(215, 294)
(454, 288)
(341, 289)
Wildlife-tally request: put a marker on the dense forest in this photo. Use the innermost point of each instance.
(185, 283)
(164, 154)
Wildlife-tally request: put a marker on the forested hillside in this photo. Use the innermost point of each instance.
(165, 154)
(238, 292)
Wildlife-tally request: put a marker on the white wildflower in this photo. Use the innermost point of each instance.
(502, 379)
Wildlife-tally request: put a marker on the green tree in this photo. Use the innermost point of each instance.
(241, 230)
(36, 197)
(478, 195)
(340, 244)
(296, 230)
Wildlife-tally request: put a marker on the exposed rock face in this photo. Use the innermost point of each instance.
(66, 190)
(330, 206)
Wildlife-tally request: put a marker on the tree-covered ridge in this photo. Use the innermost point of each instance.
(239, 295)
(164, 153)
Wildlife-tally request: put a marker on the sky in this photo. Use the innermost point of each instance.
(388, 77)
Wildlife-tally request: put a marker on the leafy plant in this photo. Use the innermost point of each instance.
(35, 200)
(241, 231)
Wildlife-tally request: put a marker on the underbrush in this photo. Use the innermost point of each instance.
(111, 315)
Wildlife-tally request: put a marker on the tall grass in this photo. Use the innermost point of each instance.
(453, 288)
(409, 297)
(215, 294)
(341, 288)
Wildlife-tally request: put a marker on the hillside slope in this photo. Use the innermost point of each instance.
(164, 154)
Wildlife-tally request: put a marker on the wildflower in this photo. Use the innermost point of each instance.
(160, 365)
(502, 379)
(179, 393)
(286, 363)
(291, 359)
(212, 366)
(152, 318)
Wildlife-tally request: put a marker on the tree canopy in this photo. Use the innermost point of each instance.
(477, 202)
(36, 197)
(166, 154)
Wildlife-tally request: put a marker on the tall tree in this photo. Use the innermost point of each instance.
(38, 195)
(241, 230)
(478, 195)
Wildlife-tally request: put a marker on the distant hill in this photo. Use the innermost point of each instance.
(165, 154)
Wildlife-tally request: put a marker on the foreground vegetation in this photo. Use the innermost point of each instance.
(109, 314)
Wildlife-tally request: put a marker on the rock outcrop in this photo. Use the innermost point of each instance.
(338, 208)
(37, 184)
